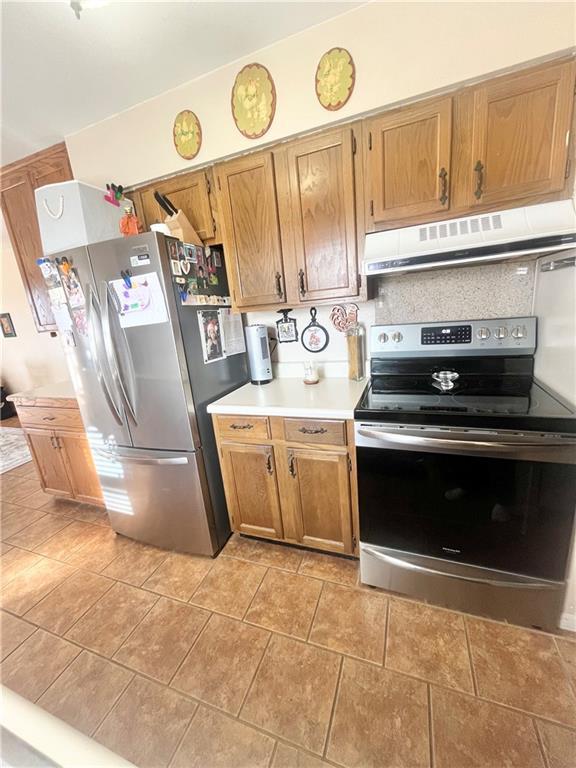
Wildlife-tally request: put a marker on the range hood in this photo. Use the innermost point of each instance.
(536, 229)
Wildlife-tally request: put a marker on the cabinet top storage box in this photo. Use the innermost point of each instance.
(72, 214)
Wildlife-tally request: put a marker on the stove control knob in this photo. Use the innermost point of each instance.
(483, 333)
(501, 332)
(397, 336)
(383, 338)
(519, 332)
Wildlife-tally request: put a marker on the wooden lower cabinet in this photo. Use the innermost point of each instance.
(288, 489)
(59, 447)
(80, 467)
(252, 489)
(321, 499)
(49, 461)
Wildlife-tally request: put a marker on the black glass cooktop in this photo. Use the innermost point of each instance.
(496, 395)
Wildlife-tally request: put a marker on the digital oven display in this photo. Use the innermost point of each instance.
(448, 334)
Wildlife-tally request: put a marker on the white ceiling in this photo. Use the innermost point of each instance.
(60, 75)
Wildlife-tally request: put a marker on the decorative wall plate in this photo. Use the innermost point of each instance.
(335, 78)
(286, 329)
(253, 100)
(315, 337)
(187, 134)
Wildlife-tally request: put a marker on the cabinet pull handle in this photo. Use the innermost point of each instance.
(444, 191)
(479, 171)
(291, 465)
(301, 285)
(48, 418)
(310, 431)
(269, 464)
(279, 291)
(53, 441)
(241, 426)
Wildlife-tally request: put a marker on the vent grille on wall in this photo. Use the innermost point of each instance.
(462, 227)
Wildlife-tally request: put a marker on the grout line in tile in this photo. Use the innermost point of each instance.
(60, 673)
(241, 707)
(81, 615)
(318, 599)
(545, 761)
(116, 700)
(36, 628)
(333, 709)
(471, 658)
(183, 736)
(386, 632)
(430, 727)
(255, 593)
(189, 651)
(565, 667)
(273, 755)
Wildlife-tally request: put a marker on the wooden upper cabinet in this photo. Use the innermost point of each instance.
(18, 182)
(251, 234)
(190, 193)
(521, 126)
(315, 178)
(408, 162)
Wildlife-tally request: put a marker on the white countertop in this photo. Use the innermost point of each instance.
(329, 399)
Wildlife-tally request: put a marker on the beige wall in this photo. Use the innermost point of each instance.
(401, 50)
(31, 359)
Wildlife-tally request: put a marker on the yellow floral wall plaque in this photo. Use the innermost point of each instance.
(253, 100)
(335, 78)
(187, 134)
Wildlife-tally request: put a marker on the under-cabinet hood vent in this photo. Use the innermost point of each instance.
(536, 229)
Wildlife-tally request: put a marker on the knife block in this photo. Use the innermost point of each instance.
(181, 228)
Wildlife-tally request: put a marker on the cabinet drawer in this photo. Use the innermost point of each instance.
(244, 427)
(50, 418)
(315, 431)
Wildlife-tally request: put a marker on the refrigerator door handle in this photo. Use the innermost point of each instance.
(128, 389)
(96, 345)
(142, 459)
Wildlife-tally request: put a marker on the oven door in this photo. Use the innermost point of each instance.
(493, 500)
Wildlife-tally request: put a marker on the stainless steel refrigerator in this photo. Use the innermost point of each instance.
(135, 358)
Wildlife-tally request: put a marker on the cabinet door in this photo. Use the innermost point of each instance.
(251, 486)
(19, 208)
(80, 466)
(321, 498)
(249, 218)
(521, 126)
(49, 461)
(320, 230)
(190, 194)
(408, 153)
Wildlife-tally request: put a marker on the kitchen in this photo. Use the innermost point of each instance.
(304, 472)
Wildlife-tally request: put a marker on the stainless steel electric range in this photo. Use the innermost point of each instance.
(466, 470)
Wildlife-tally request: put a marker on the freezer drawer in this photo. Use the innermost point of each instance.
(157, 497)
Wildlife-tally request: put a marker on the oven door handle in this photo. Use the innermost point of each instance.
(408, 566)
(481, 446)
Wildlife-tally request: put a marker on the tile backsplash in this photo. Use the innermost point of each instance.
(503, 289)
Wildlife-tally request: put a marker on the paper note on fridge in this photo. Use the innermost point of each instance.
(141, 304)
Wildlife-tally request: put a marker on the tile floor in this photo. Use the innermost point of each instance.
(266, 656)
